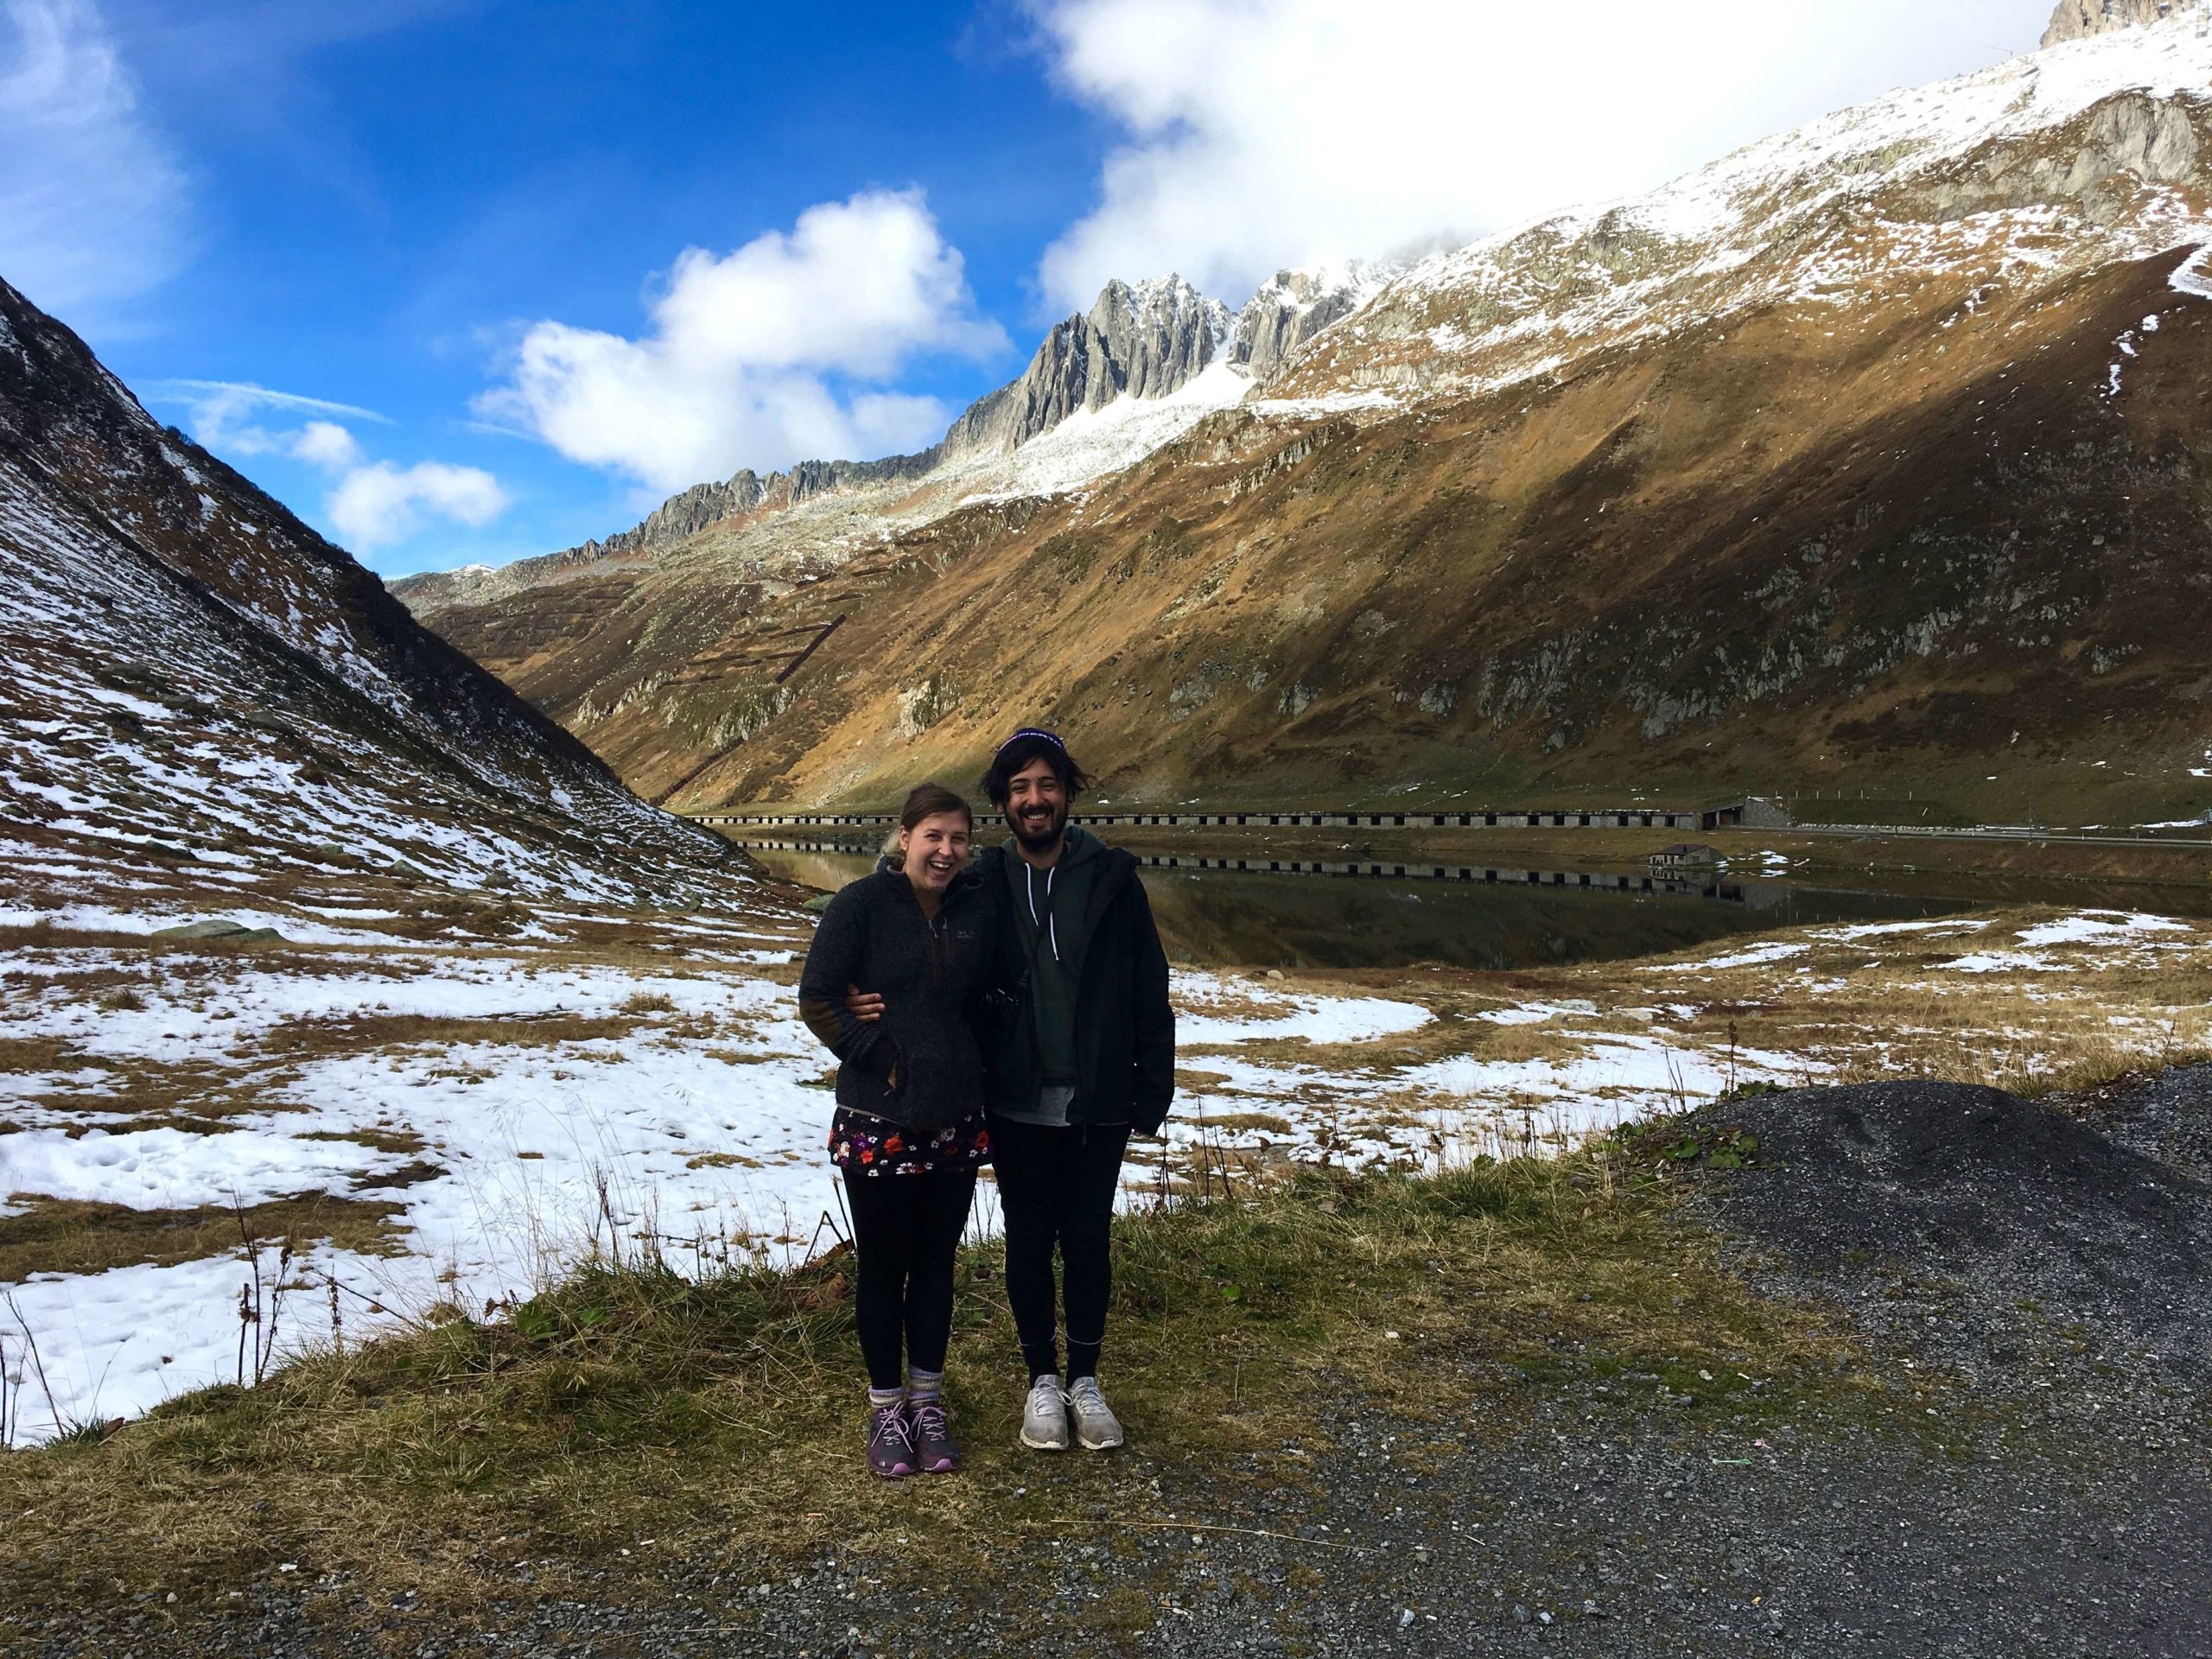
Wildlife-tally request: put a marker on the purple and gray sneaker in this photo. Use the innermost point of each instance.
(890, 1442)
(935, 1451)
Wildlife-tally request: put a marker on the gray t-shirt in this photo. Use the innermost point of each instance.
(1049, 908)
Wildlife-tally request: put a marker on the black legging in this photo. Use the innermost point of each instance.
(1057, 1187)
(906, 1231)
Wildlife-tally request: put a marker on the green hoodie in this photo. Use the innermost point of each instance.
(1049, 908)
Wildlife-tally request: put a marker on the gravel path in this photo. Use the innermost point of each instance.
(2043, 1497)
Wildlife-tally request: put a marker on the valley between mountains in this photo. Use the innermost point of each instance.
(415, 1233)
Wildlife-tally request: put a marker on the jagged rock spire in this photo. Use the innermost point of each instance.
(2076, 19)
(1144, 338)
(1294, 306)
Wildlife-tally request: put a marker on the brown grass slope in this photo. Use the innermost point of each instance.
(1807, 546)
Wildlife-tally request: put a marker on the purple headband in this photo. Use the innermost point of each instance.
(1033, 731)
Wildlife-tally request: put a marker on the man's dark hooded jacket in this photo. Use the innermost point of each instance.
(1124, 1026)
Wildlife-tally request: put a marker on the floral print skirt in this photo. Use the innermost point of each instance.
(863, 1144)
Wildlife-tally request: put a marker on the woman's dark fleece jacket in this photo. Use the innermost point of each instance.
(930, 973)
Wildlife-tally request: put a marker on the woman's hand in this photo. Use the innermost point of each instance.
(867, 1007)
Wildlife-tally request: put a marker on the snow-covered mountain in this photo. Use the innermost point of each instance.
(1812, 210)
(2033, 171)
(1145, 342)
(208, 704)
(1293, 307)
(1143, 350)
(1726, 453)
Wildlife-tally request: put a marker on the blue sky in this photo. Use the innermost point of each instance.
(420, 267)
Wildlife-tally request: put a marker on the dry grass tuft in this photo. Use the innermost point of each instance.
(73, 1236)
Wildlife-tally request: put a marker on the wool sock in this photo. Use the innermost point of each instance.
(878, 1398)
(924, 1387)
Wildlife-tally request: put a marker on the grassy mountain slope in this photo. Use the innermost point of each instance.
(1869, 457)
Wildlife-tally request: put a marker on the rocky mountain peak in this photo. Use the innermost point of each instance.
(1158, 336)
(1147, 340)
(2077, 19)
(1293, 305)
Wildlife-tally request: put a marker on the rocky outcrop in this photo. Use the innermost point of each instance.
(2077, 19)
(1157, 337)
(1148, 340)
(1293, 307)
(683, 514)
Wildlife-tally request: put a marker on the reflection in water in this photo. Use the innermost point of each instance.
(1226, 919)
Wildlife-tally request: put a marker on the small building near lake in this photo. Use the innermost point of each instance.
(1683, 856)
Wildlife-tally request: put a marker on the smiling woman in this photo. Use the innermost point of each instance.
(908, 1135)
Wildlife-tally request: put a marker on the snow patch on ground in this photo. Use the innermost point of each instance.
(1757, 956)
(1318, 1019)
(2098, 927)
(2089, 927)
(1609, 1081)
(704, 1120)
(1887, 930)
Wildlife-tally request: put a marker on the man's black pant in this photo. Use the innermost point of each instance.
(1056, 1189)
(906, 1233)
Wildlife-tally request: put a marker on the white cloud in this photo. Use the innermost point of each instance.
(379, 504)
(328, 445)
(93, 207)
(221, 414)
(1262, 133)
(373, 504)
(772, 354)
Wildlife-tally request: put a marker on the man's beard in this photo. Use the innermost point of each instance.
(1040, 841)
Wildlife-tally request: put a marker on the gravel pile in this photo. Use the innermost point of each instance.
(2168, 1117)
(2004, 1237)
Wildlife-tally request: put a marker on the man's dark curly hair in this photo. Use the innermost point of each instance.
(1017, 752)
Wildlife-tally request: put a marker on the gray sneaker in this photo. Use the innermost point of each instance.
(1096, 1426)
(1045, 1419)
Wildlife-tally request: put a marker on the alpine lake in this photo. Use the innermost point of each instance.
(1540, 910)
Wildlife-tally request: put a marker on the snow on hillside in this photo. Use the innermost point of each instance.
(1809, 216)
(1921, 127)
(1092, 443)
(153, 746)
(1843, 210)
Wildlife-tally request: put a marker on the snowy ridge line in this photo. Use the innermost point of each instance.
(1707, 230)
(1697, 249)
